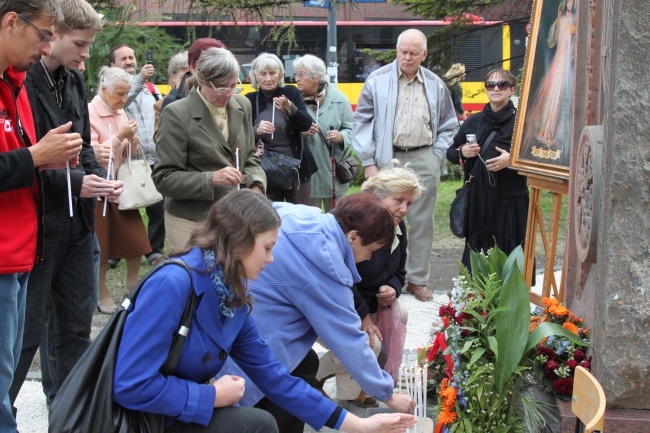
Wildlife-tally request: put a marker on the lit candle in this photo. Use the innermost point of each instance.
(237, 162)
(67, 175)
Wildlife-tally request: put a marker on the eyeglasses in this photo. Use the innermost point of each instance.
(300, 75)
(501, 84)
(223, 91)
(46, 37)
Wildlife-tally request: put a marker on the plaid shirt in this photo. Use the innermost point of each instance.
(412, 118)
(55, 82)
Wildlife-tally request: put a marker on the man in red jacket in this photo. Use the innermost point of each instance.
(26, 30)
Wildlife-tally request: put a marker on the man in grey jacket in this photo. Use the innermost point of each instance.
(405, 112)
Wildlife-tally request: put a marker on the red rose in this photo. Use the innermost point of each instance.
(547, 352)
(463, 316)
(549, 369)
(579, 355)
(586, 364)
(563, 386)
(571, 363)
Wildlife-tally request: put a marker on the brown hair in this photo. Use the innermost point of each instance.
(509, 77)
(78, 15)
(368, 215)
(229, 230)
(32, 9)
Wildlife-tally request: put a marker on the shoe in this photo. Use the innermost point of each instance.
(155, 258)
(318, 384)
(421, 292)
(106, 308)
(112, 263)
(364, 400)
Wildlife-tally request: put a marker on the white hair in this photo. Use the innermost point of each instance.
(266, 61)
(109, 77)
(314, 66)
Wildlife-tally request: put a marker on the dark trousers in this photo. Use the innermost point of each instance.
(232, 419)
(288, 423)
(59, 308)
(156, 228)
(300, 193)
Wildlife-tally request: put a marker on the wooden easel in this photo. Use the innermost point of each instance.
(558, 187)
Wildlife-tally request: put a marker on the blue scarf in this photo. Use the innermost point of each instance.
(223, 289)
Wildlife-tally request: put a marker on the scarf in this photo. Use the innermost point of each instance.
(223, 289)
(318, 100)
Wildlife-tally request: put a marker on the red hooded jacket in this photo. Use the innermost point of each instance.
(19, 184)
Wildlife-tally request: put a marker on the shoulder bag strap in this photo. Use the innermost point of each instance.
(487, 142)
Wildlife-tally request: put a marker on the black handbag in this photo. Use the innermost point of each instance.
(85, 401)
(458, 219)
(281, 170)
(348, 169)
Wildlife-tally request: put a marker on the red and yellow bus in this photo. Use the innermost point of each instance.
(481, 47)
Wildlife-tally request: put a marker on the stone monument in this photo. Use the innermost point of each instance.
(608, 248)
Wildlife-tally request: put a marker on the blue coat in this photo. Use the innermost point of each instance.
(186, 396)
(305, 293)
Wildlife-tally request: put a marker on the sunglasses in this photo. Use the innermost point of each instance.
(46, 37)
(223, 91)
(501, 84)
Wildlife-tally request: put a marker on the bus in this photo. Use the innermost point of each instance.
(482, 46)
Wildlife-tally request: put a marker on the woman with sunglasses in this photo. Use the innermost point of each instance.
(498, 197)
(279, 118)
(205, 146)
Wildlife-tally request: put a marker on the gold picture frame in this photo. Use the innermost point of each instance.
(543, 129)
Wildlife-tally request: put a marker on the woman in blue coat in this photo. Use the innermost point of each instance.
(231, 246)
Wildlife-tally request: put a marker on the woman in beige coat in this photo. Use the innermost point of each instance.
(120, 233)
(200, 140)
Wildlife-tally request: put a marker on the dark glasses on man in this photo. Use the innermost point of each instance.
(501, 84)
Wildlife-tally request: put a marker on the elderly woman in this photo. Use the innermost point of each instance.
(232, 245)
(382, 279)
(332, 127)
(306, 293)
(120, 233)
(176, 70)
(498, 197)
(205, 146)
(279, 120)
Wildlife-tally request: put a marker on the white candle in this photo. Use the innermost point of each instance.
(237, 162)
(317, 110)
(67, 175)
(273, 119)
(110, 163)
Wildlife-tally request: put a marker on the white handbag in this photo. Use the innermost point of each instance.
(139, 189)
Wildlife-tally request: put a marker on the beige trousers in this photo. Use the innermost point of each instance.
(346, 387)
(178, 231)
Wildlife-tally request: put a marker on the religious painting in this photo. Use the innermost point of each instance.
(543, 131)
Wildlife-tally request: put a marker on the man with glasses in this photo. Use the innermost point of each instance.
(26, 28)
(139, 107)
(61, 296)
(405, 112)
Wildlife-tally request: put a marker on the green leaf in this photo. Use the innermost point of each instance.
(468, 425)
(476, 355)
(517, 255)
(494, 346)
(497, 259)
(546, 329)
(512, 324)
(467, 346)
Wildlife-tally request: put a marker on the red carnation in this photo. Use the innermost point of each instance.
(579, 355)
(563, 386)
(549, 369)
(547, 352)
(447, 310)
(571, 363)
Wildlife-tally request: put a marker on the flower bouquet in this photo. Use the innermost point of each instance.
(488, 350)
(556, 356)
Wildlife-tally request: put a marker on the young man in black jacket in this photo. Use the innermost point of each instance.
(61, 291)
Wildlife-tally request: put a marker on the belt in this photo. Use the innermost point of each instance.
(409, 149)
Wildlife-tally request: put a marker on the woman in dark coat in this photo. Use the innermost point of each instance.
(281, 129)
(498, 197)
